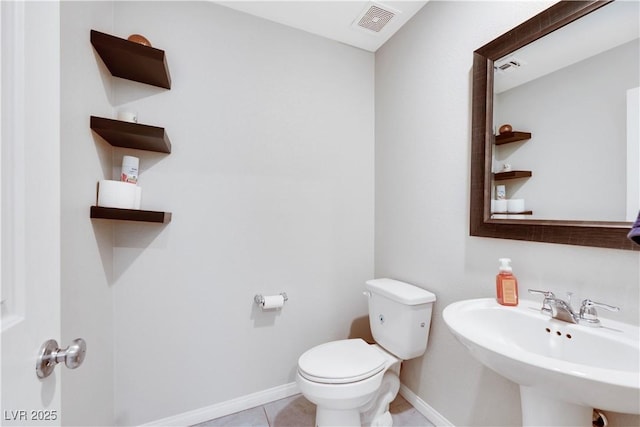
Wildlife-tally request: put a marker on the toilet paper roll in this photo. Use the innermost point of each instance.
(272, 301)
(138, 200)
(500, 205)
(515, 205)
(117, 194)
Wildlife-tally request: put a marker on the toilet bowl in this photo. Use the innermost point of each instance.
(352, 382)
(342, 377)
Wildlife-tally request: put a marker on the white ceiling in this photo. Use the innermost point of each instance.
(331, 19)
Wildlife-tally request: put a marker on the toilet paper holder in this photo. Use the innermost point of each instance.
(259, 298)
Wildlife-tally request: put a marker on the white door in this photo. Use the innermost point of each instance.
(29, 209)
(633, 153)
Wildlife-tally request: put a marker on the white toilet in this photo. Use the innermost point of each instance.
(352, 382)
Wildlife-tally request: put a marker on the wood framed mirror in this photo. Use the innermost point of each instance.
(606, 234)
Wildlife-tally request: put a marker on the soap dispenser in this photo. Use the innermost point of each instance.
(506, 284)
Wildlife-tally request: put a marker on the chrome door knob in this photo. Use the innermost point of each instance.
(50, 355)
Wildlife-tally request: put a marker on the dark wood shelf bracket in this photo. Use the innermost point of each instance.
(100, 212)
(131, 135)
(502, 176)
(132, 61)
(512, 213)
(144, 64)
(507, 137)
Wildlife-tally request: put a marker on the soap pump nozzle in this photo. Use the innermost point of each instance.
(505, 264)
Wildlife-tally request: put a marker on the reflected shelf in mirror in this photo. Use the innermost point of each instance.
(515, 136)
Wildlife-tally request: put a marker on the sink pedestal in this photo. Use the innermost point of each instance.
(538, 409)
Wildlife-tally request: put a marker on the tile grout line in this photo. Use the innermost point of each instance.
(266, 416)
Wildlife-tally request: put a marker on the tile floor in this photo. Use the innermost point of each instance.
(296, 411)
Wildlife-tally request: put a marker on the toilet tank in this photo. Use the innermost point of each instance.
(400, 316)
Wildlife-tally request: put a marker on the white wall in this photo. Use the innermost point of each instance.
(87, 258)
(574, 133)
(271, 187)
(423, 117)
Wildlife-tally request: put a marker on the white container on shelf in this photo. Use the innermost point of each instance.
(130, 167)
(128, 116)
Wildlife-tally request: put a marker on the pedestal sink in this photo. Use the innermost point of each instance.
(564, 370)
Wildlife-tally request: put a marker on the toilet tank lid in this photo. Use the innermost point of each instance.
(400, 291)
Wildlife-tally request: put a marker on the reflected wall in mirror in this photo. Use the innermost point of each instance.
(589, 227)
(574, 90)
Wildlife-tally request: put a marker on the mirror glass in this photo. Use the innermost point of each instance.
(535, 218)
(577, 92)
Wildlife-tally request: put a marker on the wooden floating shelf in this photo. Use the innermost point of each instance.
(131, 135)
(507, 137)
(132, 61)
(130, 215)
(501, 176)
(512, 213)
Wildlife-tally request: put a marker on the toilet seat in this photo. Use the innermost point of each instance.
(341, 362)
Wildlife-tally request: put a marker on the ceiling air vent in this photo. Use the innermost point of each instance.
(508, 65)
(374, 17)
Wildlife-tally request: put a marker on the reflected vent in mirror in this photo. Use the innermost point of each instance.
(508, 65)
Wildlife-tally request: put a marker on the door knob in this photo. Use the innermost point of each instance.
(50, 355)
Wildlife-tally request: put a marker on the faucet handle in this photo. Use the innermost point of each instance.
(588, 313)
(588, 304)
(547, 294)
(545, 303)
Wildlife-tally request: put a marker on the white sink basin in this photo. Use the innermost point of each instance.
(563, 369)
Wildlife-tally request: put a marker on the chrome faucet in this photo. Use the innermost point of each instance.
(561, 310)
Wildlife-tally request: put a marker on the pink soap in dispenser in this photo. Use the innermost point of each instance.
(506, 284)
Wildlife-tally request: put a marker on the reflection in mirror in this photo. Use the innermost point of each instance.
(544, 224)
(576, 91)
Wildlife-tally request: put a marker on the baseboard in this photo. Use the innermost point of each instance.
(424, 408)
(228, 407)
(266, 396)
